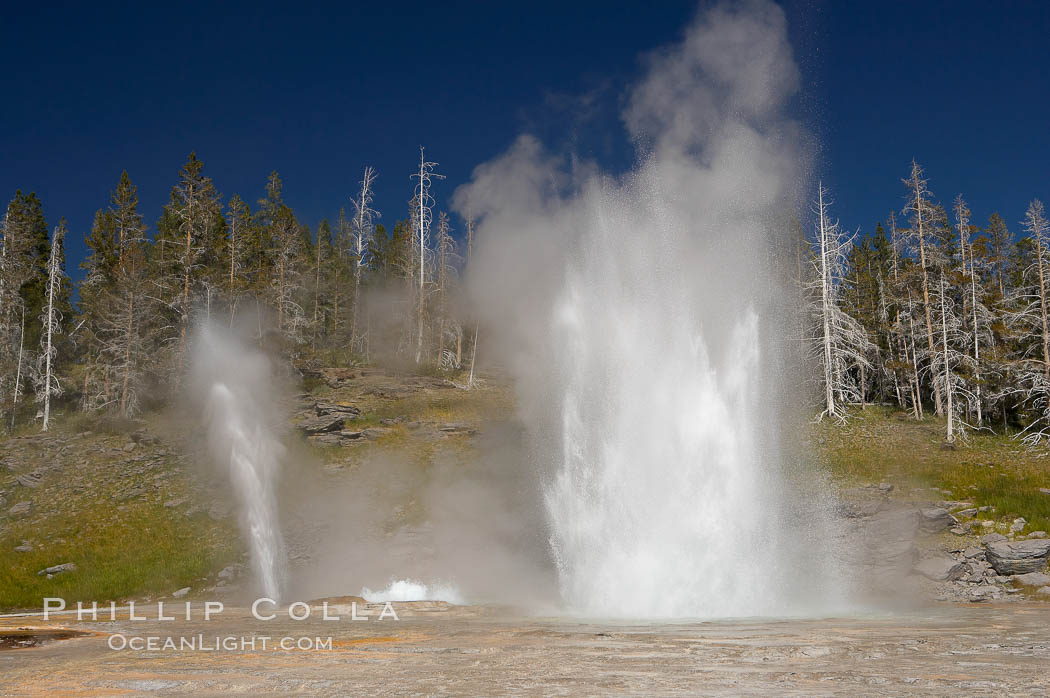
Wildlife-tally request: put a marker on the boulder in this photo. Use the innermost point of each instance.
(984, 592)
(27, 547)
(181, 592)
(1018, 557)
(967, 513)
(1043, 591)
(941, 569)
(219, 510)
(20, 509)
(992, 538)
(30, 480)
(936, 519)
(1037, 534)
(1018, 525)
(1033, 579)
(334, 408)
(322, 424)
(50, 572)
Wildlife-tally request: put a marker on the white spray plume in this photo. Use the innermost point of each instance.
(233, 383)
(638, 318)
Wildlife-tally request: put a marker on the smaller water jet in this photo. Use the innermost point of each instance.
(412, 590)
(233, 382)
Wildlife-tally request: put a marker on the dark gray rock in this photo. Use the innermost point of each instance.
(321, 425)
(941, 569)
(1018, 557)
(50, 572)
(132, 493)
(219, 510)
(1034, 535)
(1033, 579)
(984, 592)
(31, 480)
(330, 408)
(993, 538)
(936, 519)
(455, 428)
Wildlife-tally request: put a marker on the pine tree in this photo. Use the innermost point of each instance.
(192, 226)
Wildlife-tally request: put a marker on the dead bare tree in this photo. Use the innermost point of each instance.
(920, 206)
(1030, 319)
(448, 328)
(52, 325)
(423, 218)
(361, 230)
(843, 345)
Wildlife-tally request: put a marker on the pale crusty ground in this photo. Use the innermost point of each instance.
(436, 650)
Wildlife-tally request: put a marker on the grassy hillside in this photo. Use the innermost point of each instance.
(880, 445)
(112, 499)
(128, 505)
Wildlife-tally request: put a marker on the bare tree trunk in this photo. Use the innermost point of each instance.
(947, 368)
(825, 303)
(280, 295)
(976, 338)
(473, 357)
(233, 264)
(127, 355)
(317, 286)
(915, 364)
(1042, 305)
(187, 263)
(18, 370)
(926, 302)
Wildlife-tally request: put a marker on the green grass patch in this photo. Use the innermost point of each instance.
(879, 444)
(144, 549)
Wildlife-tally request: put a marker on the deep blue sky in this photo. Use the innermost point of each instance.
(91, 89)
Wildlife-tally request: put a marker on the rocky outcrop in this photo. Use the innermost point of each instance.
(936, 519)
(1018, 557)
(941, 569)
(1033, 579)
(322, 425)
(50, 572)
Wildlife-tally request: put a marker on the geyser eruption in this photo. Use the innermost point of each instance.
(648, 352)
(233, 382)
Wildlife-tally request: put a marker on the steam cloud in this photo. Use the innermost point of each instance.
(640, 318)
